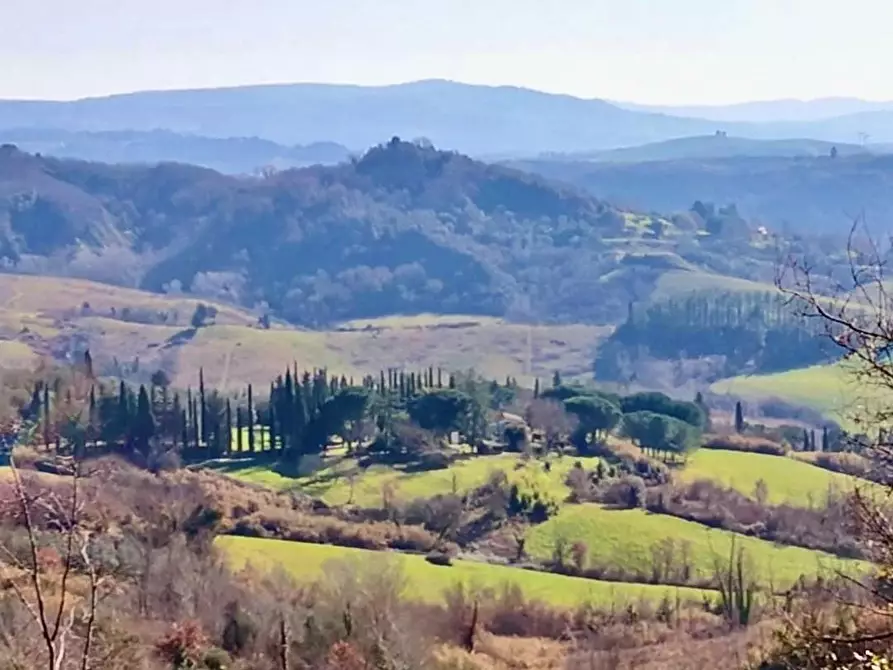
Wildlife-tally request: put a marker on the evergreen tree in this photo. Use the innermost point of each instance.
(228, 434)
(739, 417)
(556, 379)
(806, 440)
(439, 378)
(826, 446)
(239, 427)
(250, 420)
(196, 433)
(144, 422)
(46, 415)
(204, 406)
(536, 388)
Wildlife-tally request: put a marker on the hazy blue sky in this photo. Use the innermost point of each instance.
(654, 51)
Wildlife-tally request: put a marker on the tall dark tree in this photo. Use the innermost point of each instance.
(250, 420)
(204, 405)
(739, 417)
(228, 434)
(144, 422)
(239, 429)
(46, 415)
(536, 388)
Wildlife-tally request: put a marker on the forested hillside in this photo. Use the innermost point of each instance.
(404, 229)
(782, 192)
(737, 333)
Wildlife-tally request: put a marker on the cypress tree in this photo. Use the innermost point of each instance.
(228, 435)
(184, 427)
(123, 413)
(239, 429)
(204, 407)
(250, 420)
(177, 427)
(439, 378)
(272, 430)
(826, 446)
(382, 388)
(91, 417)
(144, 422)
(196, 433)
(190, 418)
(739, 417)
(536, 388)
(812, 440)
(806, 440)
(46, 415)
(452, 382)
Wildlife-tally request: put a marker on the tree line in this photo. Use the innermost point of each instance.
(752, 331)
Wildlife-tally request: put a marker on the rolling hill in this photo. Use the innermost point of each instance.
(814, 194)
(405, 229)
(229, 155)
(718, 146)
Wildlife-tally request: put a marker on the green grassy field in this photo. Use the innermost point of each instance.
(628, 538)
(832, 390)
(677, 282)
(428, 582)
(340, 476)
(788, 480)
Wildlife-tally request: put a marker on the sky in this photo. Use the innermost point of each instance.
(673, 52)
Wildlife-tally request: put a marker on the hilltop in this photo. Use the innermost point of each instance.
(718, 146)
(405, 229)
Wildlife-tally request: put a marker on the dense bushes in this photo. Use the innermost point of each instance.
(735, 442)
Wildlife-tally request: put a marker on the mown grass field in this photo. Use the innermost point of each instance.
(629, 538)
(340, 480)
(788, 480)
(832, 390)
(428, 582)
(41, 313)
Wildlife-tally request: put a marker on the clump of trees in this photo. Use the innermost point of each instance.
(750, 332)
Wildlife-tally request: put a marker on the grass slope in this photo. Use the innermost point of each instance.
(332, 482)
(832, 390)
(788, 480)
(39, 316)
(628, 538)
(428, 582)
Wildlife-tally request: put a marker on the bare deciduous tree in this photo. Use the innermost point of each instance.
(58, 618)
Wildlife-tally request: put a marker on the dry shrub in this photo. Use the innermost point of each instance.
(735, 442)
(826, 527)
(183, 645)
(843, 462)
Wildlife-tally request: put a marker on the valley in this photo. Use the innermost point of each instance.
(448, 404)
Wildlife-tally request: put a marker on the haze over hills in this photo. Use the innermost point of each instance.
(478, 120)
(405, 229)
(767, 111)
(719, 145)
(230, 155)
(809, 194)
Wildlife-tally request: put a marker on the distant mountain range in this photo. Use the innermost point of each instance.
(483, 121)
(232, 155)
(721, 146)
(770, 111)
